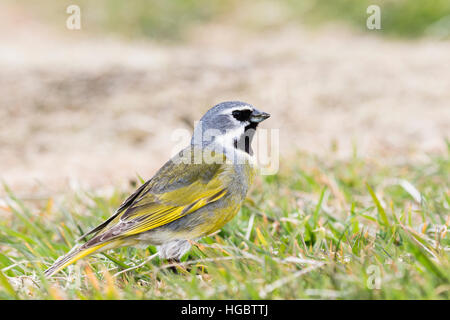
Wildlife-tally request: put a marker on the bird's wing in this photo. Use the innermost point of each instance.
(122, 207)
(175, 191)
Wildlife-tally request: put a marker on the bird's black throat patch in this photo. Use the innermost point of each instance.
(244, 142)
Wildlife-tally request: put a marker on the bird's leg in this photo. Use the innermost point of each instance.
(173, 261)
(174, 264)
(172, 251)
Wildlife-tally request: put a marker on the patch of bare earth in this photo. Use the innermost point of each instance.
(97, 110)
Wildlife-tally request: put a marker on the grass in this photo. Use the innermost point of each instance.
(321, 228)
(399, 18)
(169, 20)
(156, 19)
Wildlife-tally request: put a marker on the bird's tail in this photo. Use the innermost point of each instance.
(75, 254)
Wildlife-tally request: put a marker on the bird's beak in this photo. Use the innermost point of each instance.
(258, 116)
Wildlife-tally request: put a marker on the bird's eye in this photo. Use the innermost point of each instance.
(242, 115)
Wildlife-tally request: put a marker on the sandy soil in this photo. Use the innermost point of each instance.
(96, 111)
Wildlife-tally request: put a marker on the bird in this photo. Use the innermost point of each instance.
(192, 195)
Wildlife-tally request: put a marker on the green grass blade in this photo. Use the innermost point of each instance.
(7, 286)
(381, 211)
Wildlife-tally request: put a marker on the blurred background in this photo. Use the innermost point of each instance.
(94, 107)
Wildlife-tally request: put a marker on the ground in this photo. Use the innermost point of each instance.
(94, 111)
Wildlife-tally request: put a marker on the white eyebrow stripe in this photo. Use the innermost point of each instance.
(241, 108)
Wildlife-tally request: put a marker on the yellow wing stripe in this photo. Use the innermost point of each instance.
(173, 213)
(68, 259)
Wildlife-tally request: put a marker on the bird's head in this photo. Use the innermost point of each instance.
(230, 124)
